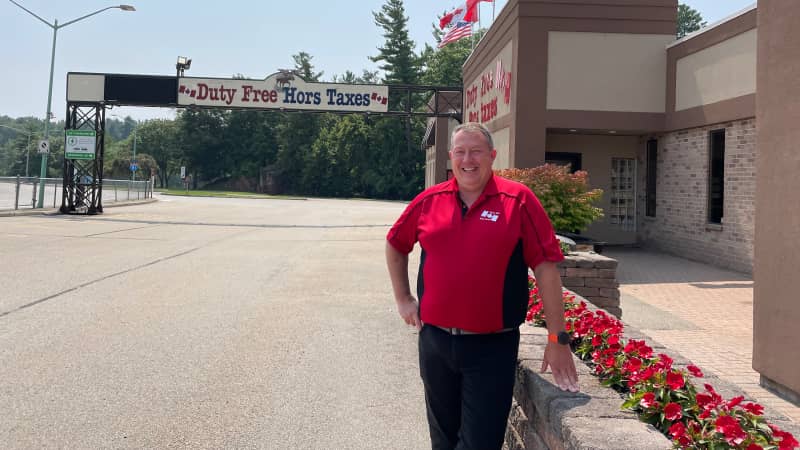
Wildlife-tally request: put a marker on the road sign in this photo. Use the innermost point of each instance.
(134, 167)
(44, 146)
(183, 171)
(80, 144)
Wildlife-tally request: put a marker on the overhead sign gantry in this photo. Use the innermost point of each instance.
(89, 94)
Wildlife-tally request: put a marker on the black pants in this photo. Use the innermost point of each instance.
(469, 382)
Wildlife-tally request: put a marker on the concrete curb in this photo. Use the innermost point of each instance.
(55, 211)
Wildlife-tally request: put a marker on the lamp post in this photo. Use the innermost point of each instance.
(133, 162)
(55, 26)
(182, 65)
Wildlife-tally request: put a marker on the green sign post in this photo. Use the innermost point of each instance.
(80, 144)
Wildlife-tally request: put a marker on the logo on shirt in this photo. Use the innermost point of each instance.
(490, 215)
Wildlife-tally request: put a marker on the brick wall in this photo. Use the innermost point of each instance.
(594, 277)
(681, 224)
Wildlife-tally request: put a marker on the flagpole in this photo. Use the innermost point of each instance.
(493, 2)
(472, 34)
(479, 15)
(478, 6)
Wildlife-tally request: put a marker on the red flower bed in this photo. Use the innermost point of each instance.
(662, 395)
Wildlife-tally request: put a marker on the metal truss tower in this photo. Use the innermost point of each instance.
(83, 178)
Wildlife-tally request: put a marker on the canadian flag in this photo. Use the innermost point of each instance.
(467, 12)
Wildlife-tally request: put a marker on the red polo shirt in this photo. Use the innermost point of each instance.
(474, 264)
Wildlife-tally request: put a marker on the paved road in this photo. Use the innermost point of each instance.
(206, 323)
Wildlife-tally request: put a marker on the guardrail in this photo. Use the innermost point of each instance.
(22, 192)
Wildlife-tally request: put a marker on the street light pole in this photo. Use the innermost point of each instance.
(55, 26)
(133, 172)
(27, 156)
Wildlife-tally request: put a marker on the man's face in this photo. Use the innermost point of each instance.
(472, 160)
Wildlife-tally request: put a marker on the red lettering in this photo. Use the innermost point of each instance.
(489, 110)
(507, 93)
(202, 91)
(472, 96)
(246, 90)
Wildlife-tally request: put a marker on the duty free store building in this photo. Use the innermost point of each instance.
(667, 128)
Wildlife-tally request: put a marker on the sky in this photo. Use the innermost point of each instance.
(252, 38)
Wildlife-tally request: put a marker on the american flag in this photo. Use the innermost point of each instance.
(460, 30)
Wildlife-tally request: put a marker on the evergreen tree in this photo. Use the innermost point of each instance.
(396, 169)
(296, 135)
(689, 20)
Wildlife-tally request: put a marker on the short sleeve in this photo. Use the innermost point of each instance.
(403, 234)
(539, 240)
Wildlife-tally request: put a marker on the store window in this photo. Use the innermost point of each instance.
(650, 184)
(716, 176)
(571, 160)
(622, 213)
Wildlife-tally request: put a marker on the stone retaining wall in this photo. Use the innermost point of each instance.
(593, 277)
(543, 417)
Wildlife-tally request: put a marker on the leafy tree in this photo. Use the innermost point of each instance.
(119, 129)
(565, 196)
(252, 144)
(689, 20)
(158, 139)
(12, 156)
(442, 66)
(202, 135)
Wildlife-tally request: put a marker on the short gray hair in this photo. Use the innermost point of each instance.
(474, 127)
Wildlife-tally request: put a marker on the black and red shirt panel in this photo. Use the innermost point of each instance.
(474, 264)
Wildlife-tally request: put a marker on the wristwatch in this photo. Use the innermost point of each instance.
(562, 337)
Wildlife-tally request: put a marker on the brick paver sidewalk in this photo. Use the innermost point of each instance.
(701, 311)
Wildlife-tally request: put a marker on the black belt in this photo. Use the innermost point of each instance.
(459, 331)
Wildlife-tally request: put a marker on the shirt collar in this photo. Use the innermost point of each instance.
(489, 189)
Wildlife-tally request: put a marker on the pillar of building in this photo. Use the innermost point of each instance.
(776, 310)
(442, 147)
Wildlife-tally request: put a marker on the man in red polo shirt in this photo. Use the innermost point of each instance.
(479, 234)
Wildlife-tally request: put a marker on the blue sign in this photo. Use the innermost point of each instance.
(134, 167)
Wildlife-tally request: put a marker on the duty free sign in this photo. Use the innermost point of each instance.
(282, 90)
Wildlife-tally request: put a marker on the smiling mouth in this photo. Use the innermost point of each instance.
(471, 169)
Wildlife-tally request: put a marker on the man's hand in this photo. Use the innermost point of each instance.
(559, 358)
(408, 308)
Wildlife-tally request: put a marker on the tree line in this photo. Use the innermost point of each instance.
(319, 154)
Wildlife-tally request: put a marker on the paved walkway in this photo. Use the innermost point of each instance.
(701, 311)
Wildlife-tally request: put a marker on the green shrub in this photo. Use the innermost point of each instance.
(565, 196)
